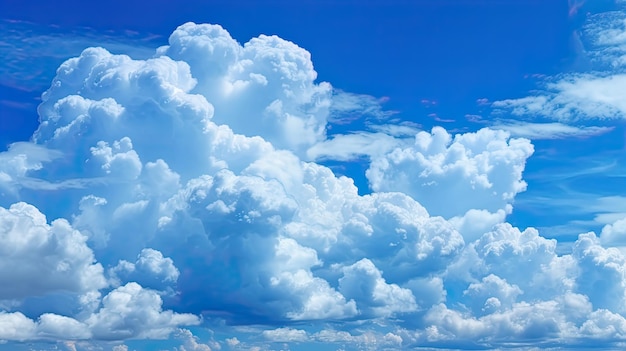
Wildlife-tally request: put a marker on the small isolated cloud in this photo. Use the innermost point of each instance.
(428, 102)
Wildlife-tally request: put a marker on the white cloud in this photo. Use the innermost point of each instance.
(16, 326)
(346, 147)
(133, 312)
(285, 335)
(37, 258)
(21, 159)
(573, 98)
(150, 270)
(127, 312)
(538, 131)
(268, 79)
(580, 96)
(347, 107)
(121, 158)
(492, 294)
(364, 282)
(232, 341)
(614, 234)
(195, 160)
(190, 342)
(452, 175)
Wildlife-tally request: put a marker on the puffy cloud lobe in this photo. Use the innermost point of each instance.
(614, 234)
(121, 158)
(494, 291)
(245, 251)
(18, 161)
(16, 326)
(37, 258)
(268, 80)
(552, 296)
(191, 343)
(602, 273)
(285, 335)
(522, 323)
(133, 312)
(481, 170)
(129, 311)
(505, 249)
(52, 326)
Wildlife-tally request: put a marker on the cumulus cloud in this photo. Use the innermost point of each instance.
(19, 161)
(285, 335)
(150, 270)
(481, 170)
(363, 282)
(191, 343)
(129, 311)
(39, 258)
(196, 162)
(346, 147)
(273, 76)
(574, 98)
(614, 234)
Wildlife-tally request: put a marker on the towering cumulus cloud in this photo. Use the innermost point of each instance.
(175, 192)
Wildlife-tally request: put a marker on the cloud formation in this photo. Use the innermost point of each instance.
(595, 95)
(187, 196)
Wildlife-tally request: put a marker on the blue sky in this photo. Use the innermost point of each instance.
(312, 175)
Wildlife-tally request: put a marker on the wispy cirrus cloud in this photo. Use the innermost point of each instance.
(554, 130)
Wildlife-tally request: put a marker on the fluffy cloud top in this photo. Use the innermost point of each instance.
(39, 258)
(483, 170)
(274, 77)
